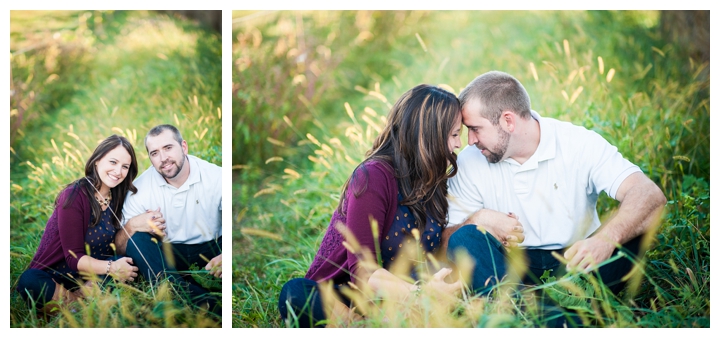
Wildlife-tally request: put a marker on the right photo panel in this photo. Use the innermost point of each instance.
(470, 169)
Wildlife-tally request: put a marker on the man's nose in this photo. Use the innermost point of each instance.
(471, 138)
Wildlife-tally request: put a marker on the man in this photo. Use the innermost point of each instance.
(179, 201)
(533, 182)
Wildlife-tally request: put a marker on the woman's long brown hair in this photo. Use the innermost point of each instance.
(415, 144)
(118, 193)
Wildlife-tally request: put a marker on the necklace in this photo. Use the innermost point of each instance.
(130, 240)
(105, 201)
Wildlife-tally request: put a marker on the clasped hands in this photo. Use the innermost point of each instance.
(437, 282)
(151, 221)
(123, 269)
(504, 227)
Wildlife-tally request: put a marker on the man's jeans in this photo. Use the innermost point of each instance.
(490, 259)
(157, 260)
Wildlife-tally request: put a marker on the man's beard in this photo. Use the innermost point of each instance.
(499, 151)
(173, 175)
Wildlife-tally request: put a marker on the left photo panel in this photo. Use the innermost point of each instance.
(115, 169)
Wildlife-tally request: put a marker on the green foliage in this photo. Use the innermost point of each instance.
(680, 261)
(116, 73)
(287, 63)
(607, 71)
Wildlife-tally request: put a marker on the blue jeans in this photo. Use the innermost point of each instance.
(37, 286)
(303, 297)
(490, 259)
(153, 263)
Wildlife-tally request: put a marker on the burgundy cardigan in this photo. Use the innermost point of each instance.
(379, 200)
(64, 236)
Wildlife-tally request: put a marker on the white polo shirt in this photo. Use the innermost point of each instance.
(192, 212)
(554, 193)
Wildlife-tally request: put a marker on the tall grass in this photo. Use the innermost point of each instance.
(607, 71)
(112, 73)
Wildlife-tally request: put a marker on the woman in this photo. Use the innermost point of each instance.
(402, 184)
(86, 215)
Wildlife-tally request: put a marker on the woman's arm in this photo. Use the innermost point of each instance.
(120, 269)
(374, 204)
(72, 239)
(376, 183)
(71, 219)
(92, 265)
(385, 284)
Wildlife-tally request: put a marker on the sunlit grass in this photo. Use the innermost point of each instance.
(114, 73)
(605, 71)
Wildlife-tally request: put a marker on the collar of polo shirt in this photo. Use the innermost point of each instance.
(546, 148)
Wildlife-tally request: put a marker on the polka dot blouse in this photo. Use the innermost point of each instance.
(394, 246)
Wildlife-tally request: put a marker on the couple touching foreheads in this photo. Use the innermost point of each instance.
(525, 184)
(109, 224)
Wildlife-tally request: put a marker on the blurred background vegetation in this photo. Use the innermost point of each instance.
(78, 77)
(311, 88)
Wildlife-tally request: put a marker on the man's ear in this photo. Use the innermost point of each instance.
(184, 147)
(507, 121)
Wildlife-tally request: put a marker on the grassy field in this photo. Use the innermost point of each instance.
(78, 77)
(310, 91)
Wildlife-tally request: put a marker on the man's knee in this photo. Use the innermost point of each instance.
(633, 246)
(140, 242)
(464, 239)
(146, 253)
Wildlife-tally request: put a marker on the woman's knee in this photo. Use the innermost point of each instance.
(297, 291)
(299, 298)
(35, 285)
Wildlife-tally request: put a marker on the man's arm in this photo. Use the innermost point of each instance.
(641, 206)
(504, 227)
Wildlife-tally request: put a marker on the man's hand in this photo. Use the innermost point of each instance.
(215, 266)
(588, 253)
(151, 221)
(504, 227)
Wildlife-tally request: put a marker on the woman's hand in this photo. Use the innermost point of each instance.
(123, 270)
(438, 283)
